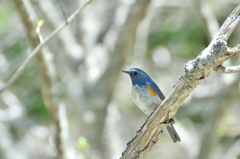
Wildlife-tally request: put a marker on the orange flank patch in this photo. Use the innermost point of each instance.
(151, 90)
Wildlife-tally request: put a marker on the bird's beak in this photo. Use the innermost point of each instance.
(127, 72)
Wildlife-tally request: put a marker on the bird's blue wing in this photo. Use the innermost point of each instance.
(156, 90)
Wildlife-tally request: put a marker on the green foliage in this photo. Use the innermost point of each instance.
(37, 109)
(16, 50)
(31, 96)
(82, 143)
(40, 22)
(186, 42)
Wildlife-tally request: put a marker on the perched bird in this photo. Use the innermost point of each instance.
(147, 96)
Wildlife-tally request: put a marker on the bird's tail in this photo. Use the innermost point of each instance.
(173, 133)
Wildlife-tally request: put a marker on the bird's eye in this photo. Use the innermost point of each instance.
(135, 73)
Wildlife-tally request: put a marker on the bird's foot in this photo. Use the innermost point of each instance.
(150, 115)
(143, 125)
(171, 120)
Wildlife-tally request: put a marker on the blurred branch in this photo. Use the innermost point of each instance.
(69, 44)
(214, 55)
(111, 8)
(142, 34)
(7, 145)
(234, 150)
(42, 67)
(13, 104)
(39, 47)
(215, 114)
(102, 90)
(68, 151)
(208, 18)
(64, 14)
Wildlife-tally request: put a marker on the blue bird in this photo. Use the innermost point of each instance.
(147, 96)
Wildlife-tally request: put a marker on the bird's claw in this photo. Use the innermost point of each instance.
(150, 115)
(142, 126)
(171, 120)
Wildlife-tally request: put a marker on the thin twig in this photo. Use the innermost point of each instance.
(40, 45)
(38, 31)
(63, 12)
(231, 69)
(234, 50)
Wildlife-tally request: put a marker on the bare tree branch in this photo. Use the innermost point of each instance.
(39, 47)
(228, 26)
(231, 69)
(214, 55)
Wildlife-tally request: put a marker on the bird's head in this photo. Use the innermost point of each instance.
(138, 76)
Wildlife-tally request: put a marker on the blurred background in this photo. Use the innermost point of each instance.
(73, 102)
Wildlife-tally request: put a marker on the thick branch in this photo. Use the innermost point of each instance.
(39, 47)
(214, 55)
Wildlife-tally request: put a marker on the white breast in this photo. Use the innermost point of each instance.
(144, 100)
